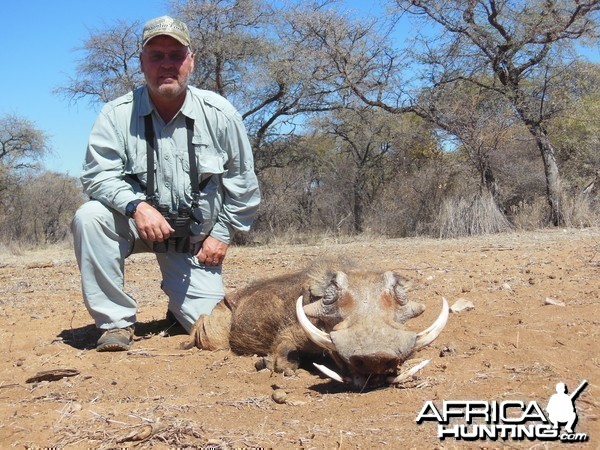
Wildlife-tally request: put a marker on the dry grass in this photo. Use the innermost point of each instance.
(476, 215)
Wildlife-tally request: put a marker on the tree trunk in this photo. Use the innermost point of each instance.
(358, 208)
(553, 191)
(491, 184)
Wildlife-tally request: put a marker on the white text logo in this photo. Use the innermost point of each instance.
(507, 420)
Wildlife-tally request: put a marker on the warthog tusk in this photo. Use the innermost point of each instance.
(329, 373)
(427, 336)
(409, 373)
(319, 337)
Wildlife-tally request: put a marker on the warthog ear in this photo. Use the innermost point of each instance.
(398, 286)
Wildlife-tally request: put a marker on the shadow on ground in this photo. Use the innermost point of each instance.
(85, 338)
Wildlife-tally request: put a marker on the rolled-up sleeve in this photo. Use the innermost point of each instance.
(104, 168)
(241, 195)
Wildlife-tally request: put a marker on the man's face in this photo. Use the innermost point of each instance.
(167, 65)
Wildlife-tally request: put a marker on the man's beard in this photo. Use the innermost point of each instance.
(174, 89)
(171, 90)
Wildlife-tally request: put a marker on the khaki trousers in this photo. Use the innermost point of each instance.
(103, 238)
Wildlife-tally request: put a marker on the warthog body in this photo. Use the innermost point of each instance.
(356, 317)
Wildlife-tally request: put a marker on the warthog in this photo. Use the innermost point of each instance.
(356, 317)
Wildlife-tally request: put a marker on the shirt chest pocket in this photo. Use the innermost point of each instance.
(208, 159)
(136, 164)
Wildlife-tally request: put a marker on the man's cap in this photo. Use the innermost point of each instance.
(168, 26)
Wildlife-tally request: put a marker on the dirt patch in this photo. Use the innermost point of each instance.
(511, 346)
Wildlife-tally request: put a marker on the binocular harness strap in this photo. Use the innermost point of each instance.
(150, 152)
(149, 136)
(189, 124)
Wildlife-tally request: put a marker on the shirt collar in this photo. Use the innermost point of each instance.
(187, 109)
(146, 105)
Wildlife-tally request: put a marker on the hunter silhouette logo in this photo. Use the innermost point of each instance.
(507, 420)
(561, 407)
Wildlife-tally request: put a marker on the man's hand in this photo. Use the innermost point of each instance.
(151, 223)
(212, 252)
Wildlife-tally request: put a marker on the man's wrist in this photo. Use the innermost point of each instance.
(131, 207)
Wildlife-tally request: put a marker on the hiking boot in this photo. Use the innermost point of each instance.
(115, 340)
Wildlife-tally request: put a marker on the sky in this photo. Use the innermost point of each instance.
(39, 53)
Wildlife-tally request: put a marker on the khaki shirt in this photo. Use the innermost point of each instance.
(115, 169)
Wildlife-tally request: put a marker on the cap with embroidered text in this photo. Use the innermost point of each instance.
(168, 26)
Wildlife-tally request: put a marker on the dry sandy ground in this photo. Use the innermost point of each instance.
(511, 346)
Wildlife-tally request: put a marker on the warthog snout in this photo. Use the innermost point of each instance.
(381, 362)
